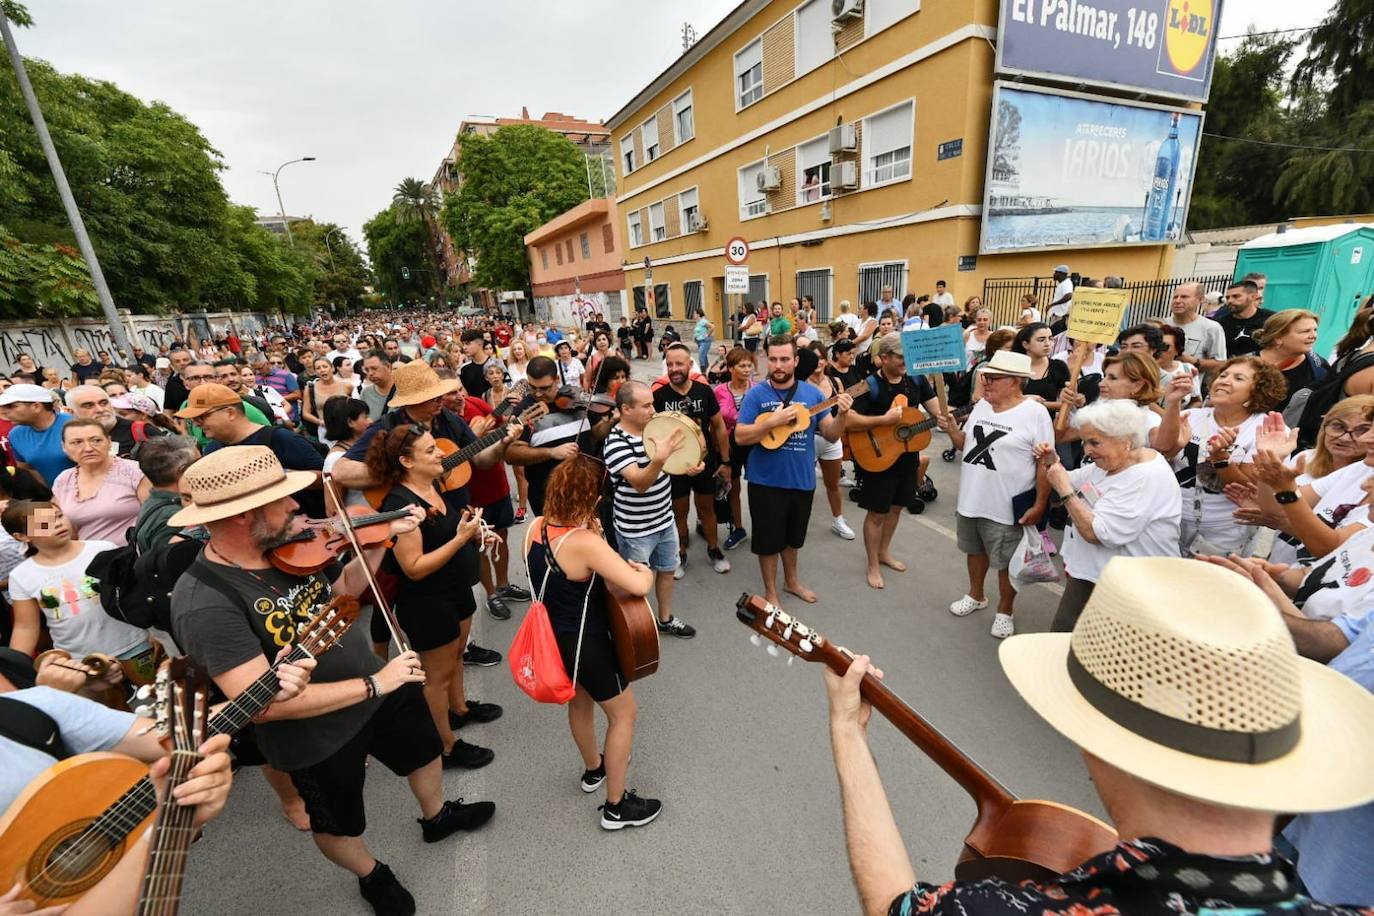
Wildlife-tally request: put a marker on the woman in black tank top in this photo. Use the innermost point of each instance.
(569, 564)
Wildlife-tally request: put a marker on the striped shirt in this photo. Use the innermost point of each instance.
(637, 514)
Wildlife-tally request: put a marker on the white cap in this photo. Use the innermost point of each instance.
(34, 394)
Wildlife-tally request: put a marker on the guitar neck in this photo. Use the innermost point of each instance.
(171, 842)
(853, 391)
(473, 449)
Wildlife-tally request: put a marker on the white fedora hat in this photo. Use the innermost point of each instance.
(1183, 675)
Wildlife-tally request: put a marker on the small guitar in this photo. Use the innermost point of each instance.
(1013, 839)
(878, 448)
(183, 706)
(801, 416)
(74, 823)
(634, 633)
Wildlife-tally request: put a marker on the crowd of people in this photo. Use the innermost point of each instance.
(1198, 456)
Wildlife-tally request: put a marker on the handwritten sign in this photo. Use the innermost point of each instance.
(934, 350)
(1096, 314)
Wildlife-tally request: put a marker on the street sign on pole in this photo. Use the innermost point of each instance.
(737, 251)
(737, 279)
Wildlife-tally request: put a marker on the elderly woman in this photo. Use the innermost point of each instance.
(1286, 342)
(101, 496)
(1133, 376)
(976, 337)
(1124, 504)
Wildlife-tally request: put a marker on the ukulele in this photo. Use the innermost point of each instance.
(801, 417)
(877, 449)
(1013, 839)
(183, 706)
(72, 825)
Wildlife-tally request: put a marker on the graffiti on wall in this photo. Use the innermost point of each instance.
(150, 339)
(94, 339)
(38, 343)
(55, 344)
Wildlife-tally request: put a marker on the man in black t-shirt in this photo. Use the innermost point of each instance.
(1242, 319)
(474, 372)
(625, 336)
(696, 399)
(884, 494)
(644, 332)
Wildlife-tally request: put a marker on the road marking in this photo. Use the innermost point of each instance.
(1053, 587)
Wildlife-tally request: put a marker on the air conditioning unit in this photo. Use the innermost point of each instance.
(843, 139)
(842, 10)
(697, 223)
(769, 178)
(844, 176)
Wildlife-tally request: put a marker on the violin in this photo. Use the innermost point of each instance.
(323, 540)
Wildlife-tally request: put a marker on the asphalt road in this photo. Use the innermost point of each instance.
(733, 740)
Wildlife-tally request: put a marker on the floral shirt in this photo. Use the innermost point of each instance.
(1144, 876)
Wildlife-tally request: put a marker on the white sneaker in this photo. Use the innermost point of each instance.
(718, 562)
(966, 605)
(681, 567)
(847, 480)
(841, 527)
(1002, 626)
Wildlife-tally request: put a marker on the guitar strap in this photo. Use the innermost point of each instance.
(31, 727)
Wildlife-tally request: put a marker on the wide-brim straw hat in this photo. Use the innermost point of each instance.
(417, 382)
(1005, 362)
(1184, 675)
(233, 480)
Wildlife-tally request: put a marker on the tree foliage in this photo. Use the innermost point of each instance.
(342, 273)
(514, 181)
(397, 245)
(15, 12)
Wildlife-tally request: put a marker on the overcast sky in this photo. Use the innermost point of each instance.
(376, 90)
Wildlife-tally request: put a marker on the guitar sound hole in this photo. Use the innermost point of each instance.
(71, 861)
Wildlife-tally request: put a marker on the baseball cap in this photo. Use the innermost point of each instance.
(207, 397)
(25, 394)
(163, 363)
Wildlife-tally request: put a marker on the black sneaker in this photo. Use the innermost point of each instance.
(466, 756)
(675, 627)
(592, 779)
(455, 816)
(514, 592)
(477, 714)
(384, 892)
(498, 608)
(631, 811)
(482, 658)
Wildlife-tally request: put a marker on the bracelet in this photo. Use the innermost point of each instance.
(1218, 465)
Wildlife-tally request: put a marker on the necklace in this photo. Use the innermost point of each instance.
(241, 568)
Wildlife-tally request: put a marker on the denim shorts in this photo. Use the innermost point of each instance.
(658, 551)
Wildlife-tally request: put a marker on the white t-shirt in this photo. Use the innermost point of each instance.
(1343, 487)
(70, 600)
(998, 464)
(1342, 582)
(1136, 514)
(351, 353)
(943, 299)
(1214, 507)
(849, 320)
(1063, 288)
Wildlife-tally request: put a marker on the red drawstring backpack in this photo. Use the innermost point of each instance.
(536, 665)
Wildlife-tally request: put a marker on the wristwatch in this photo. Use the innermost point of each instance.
(1060, 500)
(1285, 497)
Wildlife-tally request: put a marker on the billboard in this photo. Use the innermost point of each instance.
(1067, 170)
(1159, 47)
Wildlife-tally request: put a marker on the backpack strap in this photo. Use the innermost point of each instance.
(201, 570)
(139, 429)
(32, 727)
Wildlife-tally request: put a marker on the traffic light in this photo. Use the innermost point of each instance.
(405, 273)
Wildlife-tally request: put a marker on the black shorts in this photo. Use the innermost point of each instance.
(432, 620)
(400, 735)
(779, 518)
(599, 671)
(894, 487)
(751, 343)
(499, 515)
(703, 484)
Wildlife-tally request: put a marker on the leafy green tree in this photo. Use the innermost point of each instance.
(343, 274)
(413, 199)
(514, 181)
(396, 246)
(43, 280)
(14, 11)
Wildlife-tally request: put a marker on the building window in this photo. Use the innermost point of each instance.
(658, 230)
(627, 152)
(648, 134)
(558, 253)
(570, 250)
(758, 287)
(752, 201)
(816, 284)
(813, 171)
(887, 145)
(544, 257)
(873, 278)
(636, 230)
(682, 117)
(883, 13)
(749, 74)
(663, 306)
(815, 38)
(586, 247)
(687, 207)
(608, 238)
(691, 297)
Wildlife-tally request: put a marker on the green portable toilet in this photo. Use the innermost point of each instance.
(1324, 269)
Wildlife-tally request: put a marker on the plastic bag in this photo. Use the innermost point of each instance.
(536, 665)
(1031, 563)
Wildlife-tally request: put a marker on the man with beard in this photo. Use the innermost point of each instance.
(391, 347)
(782, 481)
(378, 366)
(176, 389)
(553, 438)
(227, 374)
(90, 402)
(696, 399)
(233, 612)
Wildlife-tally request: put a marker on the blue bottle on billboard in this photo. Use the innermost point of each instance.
(1159, 205)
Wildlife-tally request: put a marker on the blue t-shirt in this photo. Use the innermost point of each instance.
(553, 335)
(791, 466)
(42, 451)
(86, 726)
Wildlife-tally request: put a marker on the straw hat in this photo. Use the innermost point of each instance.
(232, 480)
(1183, 675)
(417, 382)
(1005, 362)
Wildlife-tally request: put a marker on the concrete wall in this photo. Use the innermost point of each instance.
(574, 311)
(53, 343)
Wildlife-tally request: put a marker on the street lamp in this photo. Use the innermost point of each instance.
(280, 206)
(330, 248)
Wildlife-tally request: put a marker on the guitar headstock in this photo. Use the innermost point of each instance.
(782, 629)
(328, 626)
(533, 413)
(181, 704)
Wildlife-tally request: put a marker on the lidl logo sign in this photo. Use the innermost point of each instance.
(1188, 28)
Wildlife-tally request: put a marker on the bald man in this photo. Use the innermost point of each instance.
(1204, 340)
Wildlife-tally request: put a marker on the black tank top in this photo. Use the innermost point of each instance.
(563, 596)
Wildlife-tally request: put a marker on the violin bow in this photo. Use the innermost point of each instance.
(398, 635)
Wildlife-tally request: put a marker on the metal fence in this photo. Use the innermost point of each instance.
(1149, 298)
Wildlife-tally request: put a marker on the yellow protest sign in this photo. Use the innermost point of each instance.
(1096, 314)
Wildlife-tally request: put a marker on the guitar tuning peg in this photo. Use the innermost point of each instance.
(787, 633)
(806, 645)
(774, 650)
(756, 639)
(772, 615)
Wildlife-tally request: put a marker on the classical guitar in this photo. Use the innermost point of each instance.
(183, 706)
(634, 633)
(1012, 838)
(878, 448)
(801, 416)
(73, 823)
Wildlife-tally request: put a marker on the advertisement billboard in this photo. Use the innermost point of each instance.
(1067, 170)
(1160, 47)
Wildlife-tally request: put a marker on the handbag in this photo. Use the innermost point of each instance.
(536, 665)
(1031, 563)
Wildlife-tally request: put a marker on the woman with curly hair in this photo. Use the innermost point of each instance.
(569, 565)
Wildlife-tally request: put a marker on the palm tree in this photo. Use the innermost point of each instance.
(413, 199)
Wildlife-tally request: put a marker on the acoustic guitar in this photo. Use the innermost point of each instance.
(72, 824)
(877, 449)
(634, 632)
(1014, 839)
(801, 416)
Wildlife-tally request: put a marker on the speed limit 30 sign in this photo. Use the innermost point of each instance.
(737, 251)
